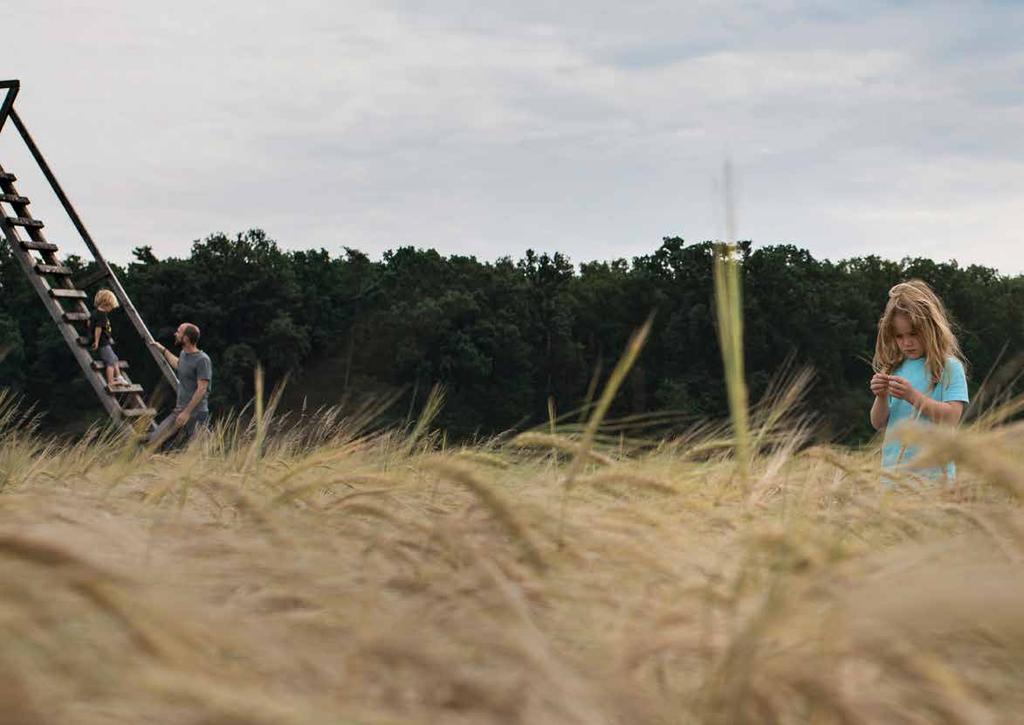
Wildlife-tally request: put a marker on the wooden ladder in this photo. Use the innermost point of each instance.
(63, 298)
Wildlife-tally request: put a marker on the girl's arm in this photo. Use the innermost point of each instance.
(880, 408)
(880, 412)
(936, 411)
(96, 336)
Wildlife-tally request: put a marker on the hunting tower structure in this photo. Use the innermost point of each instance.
(63, 294)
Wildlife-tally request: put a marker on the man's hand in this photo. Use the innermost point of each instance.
(181, 419)
(166, 354)
(902, 389)
(880, 385)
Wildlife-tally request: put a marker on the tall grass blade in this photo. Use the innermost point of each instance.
(431, 407)
(729, 310)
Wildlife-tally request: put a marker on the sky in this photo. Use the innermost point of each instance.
(592, 128)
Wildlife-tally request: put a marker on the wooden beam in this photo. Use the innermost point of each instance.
(115, 283)
(57, 312)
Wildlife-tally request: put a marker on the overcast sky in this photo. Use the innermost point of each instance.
(594, 128)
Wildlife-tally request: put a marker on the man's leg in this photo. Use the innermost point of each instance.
(198, 423)
(164, 431)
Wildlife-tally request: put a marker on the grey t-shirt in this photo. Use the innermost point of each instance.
(193, 367)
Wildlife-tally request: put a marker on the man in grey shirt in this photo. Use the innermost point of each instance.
(195, 371)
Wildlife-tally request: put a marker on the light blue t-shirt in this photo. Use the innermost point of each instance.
(952, 386)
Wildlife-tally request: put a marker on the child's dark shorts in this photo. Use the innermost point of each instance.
(108, 356)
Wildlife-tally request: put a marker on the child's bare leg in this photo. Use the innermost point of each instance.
(110, 375)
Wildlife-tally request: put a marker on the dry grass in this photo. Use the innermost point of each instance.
(319, 574)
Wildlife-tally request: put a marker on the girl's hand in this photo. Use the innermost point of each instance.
(902, 389)
(879, 385)
(95, 346)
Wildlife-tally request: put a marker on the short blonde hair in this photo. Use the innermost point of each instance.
(929, 319)
(105, 298)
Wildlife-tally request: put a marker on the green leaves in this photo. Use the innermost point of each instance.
(504, 337)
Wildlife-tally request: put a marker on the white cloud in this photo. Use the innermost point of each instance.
(590, 128)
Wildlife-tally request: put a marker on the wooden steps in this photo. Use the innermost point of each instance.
(139, 412)
(99, 365)
(66, 302)
(54, 270)
(67, 294)
(32, 244)
(124, 389)
(24, 221)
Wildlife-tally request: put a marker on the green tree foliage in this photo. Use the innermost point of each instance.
(503, 337)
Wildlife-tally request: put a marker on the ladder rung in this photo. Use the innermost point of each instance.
(8, 177)
(138, 412)
(74, 294)
(124, 388)
(75, 316)
(56, 270)
(100, 365)
(38, 246)
(21, 221)
(14, 199)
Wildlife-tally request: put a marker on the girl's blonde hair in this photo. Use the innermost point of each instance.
(105, 298)
(929, 320)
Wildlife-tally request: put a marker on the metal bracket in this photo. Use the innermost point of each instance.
(12, 88)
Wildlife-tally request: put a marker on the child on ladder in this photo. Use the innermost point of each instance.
(102, 337)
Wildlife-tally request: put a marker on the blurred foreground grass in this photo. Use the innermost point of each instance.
(321, 573)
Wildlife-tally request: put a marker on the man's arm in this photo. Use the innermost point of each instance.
(186, 412)
(171, 359)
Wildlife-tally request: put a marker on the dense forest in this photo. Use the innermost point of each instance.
(502, 337)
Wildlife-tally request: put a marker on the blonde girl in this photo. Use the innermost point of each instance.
(919, 370)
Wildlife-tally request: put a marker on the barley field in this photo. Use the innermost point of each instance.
(326, 573)
(327, 570)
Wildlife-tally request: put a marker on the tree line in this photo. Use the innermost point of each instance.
(508, 339)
